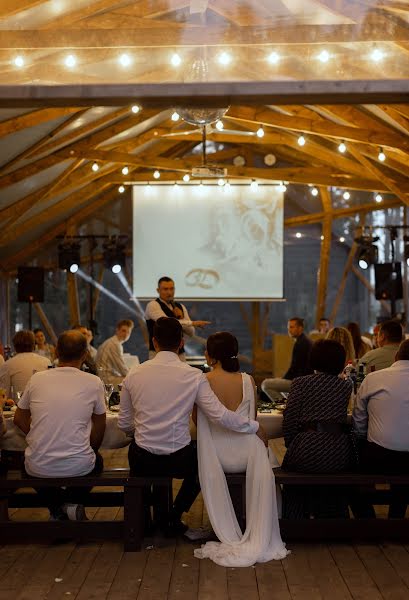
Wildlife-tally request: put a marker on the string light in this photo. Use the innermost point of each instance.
(260, 132)
(224, 59)
(125, 60)
(254, 185)
(125, 171)
(186, 177)
(301, 140)
(220, 182)
(135, 109)
(175, 116)
(156, 174)
(95, 167)
(342, 147)
(282, 187)
(342, 239)
(19, 62)
(121, 189)
(298, 235)
(273, 58)
(70, 61)
(314, 191)
(324, 56)
(346, 195)
(322, 238)
(378, 198)
(381, 155)
(219, 125)
(377, 55)
(176, 60)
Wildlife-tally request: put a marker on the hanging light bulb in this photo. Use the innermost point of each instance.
(378, 198)
(298, 235)
(121, 189)
(314, 191)
(342, 147)
(301, 140)
(254, 185)
(135, 109)
(219, 125)
(260, 132)
(221, 182)
(282, 187)
(186, 178)
(381, 155)
(156, 174)
(95, 167)
(346, 195)
(175, 116)
(175, 60)
(125, 171)
(19, 62)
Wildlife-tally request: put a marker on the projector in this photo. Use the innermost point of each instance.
(209, 171)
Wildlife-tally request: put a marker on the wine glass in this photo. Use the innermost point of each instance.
(109, 388)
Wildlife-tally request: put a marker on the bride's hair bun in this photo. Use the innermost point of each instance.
(224, 347)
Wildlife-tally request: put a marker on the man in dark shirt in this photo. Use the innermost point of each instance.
(299, 362)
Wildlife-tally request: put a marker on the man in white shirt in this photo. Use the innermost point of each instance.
(381, 419)
(156, 402)
(15, 372)
(62, 412)
(110, 355)
(389, 337)
(166, 306)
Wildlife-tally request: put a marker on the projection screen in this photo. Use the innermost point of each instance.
(216, 243)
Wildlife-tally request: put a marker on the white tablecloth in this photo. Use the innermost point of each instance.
(14, 438)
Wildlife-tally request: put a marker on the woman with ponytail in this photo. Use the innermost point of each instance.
(221, 451)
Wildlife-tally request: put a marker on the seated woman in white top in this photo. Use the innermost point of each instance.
(221, 451)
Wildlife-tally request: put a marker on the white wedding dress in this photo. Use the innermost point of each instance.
(220, 451)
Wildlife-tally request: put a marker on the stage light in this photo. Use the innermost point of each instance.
(113, 253)
(69, 256)
(368, 252)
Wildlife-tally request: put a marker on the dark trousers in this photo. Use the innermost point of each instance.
(181, 464)
(377, 459)
(55, 497)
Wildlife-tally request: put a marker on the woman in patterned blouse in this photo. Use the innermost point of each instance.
(316, 433)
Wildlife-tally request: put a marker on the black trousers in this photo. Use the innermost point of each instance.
(181, 464)
(377, 459)
(54, 498)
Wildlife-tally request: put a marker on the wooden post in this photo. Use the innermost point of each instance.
(45, 323)
(325, 254)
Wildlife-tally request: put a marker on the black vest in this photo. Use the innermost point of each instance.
(150, 322)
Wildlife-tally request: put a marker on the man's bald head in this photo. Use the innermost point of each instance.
(71, 346)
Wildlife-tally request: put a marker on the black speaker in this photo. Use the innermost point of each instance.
(388, 281)
(30, 284)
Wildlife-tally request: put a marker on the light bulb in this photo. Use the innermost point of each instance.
(125, 171)
(175, 60)
(116, 269)
(74, 268)
(342, 147)
(186, 177)
(346, 195)
(95, 167)
(220, 182)
(301, 140)
(121, 189)
(324, 56)
(19, 61)
(377, 55)
(322, 238)
(362, 263)
(381, 155)
(298, 235)
(254, 186)
(378, 198)
(273, 58)
(70, 61)
(342, 239)
(219, 125)
(282, 187)
(125, 60)
(260, 132)
(314, 191)
(135, 109)
(156, 174)
(224, 58)
(175, 116)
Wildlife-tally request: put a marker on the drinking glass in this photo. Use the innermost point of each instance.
(109, 388)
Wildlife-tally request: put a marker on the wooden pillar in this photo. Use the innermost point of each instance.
(325, 254)
(45, 322)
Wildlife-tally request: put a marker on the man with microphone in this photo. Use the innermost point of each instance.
(166, 306)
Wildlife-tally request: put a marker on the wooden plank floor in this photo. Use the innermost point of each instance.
(167, 569)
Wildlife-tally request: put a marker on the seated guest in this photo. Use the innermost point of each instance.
(381, 418)
(89, 363)
(91, 349)
(62, 411)
(110, 359)
(361, 347)
(299, 362)
(324, 325)
(389, 337)
(343, 337)
(156, 401)
(42, 347)
(316, 435)
(15, 372)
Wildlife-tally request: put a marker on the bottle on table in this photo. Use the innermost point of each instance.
(361, 374)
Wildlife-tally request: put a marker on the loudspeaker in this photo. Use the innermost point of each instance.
(30, 284)
(388, 281)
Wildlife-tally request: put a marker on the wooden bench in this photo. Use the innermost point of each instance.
(325, 529)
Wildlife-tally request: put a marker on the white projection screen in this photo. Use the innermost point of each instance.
(216, 243)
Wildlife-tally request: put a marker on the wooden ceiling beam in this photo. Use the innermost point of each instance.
(11, 7)
(34, 118)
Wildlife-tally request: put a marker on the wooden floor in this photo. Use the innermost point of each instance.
(166, 569)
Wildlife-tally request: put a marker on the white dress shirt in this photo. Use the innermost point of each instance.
(154, 311)
(110, 358)
(157, 400)
(17, 371)
(382, 407)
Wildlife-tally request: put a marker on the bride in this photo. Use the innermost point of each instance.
(221, 451)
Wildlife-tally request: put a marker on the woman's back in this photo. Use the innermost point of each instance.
(228, 387)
